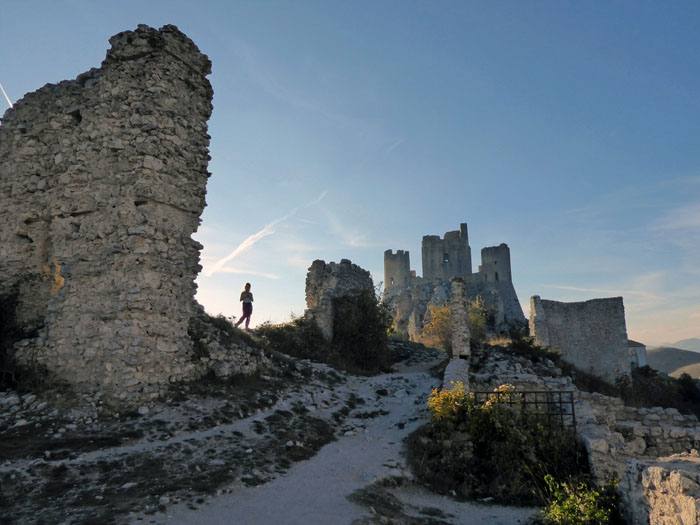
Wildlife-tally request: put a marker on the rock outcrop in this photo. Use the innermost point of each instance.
(102, 183)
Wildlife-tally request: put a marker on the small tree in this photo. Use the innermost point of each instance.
(437, 332)
(478, 316)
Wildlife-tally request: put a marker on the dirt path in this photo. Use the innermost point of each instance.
(365, 461)
(305, 444)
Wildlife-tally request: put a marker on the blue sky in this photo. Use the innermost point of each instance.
(568, 130)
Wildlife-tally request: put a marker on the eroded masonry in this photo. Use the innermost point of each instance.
(328, 281)
(102, 183)
(409, 296)
(591, 335)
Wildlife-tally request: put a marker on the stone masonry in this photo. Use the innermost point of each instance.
(325, 282)
(592, 335)
(409, 296)
(459, 320)
(102, 183)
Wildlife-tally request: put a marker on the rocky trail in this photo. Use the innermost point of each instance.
(306, 444)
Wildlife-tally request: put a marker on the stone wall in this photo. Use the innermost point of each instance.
(592, 335)
(448, 257)
(397, 270)
(663, 492)
(325, 282)
(459, 320)
(102, 183)
(408, 296)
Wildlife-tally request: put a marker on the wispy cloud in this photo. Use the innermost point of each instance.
(6, 97)
(270, 83)
(251, 240)
(248, 272)
(346, 233)
(686, 218)
(393, 146)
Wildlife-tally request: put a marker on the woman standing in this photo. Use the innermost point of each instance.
(247, 299)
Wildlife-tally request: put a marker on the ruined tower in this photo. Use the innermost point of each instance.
(449, 257)
(102, 183)
(495, 263)
(397, 270)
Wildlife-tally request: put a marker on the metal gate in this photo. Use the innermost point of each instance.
(554, 406)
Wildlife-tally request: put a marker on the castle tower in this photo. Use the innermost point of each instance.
(447, 258)
(495, 263)
(397, 270)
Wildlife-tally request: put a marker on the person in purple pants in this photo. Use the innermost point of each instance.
(247, 299)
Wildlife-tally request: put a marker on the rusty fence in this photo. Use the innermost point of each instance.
(554, 407)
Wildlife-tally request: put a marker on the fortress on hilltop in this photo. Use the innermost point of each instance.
(444, 258)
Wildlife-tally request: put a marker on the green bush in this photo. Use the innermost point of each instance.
(491, 450)
(478, 320)
(360, 340)
(580, 504)
(360, 332)
(300, 338)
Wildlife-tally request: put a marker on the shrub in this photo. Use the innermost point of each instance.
(300, 338)
(447, 404)
(478, 318)
(360, 339)
(437, 332)
(360, 332)
(491, 450)
(580, 504)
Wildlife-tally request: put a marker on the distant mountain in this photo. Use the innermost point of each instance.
(692, 344)
(674, 361)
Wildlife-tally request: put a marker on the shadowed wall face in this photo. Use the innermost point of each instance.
(447, 258)
(102, 183)
(592, 335)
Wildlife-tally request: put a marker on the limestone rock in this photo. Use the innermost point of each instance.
(102, 183)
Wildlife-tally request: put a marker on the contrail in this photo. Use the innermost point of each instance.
(252, 239)
(6, 97)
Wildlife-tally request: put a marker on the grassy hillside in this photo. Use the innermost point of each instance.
(674, 361)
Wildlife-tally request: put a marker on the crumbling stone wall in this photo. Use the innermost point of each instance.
(459, 320)
(663, 492)
(592, 335)
(408, 296)
(102, 183)
(325, 282)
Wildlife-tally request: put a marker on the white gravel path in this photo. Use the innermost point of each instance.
(315, 491)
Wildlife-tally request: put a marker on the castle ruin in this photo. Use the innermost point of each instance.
(102, 183)
(592, 335)
(328, 281)
(408, 295)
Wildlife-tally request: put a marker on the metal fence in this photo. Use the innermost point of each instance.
(554, 407)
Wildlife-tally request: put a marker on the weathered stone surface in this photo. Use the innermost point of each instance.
(592, 335)
(664, 492)
(457, 370)
(102, 182)
(459, 319)
(325, 282)
(409, 296)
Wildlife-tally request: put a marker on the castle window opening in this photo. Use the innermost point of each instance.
(446, 257)
(496, 276)
(392, 280)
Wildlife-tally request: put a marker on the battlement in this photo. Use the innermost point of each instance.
(495, 263)
(397, 269)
